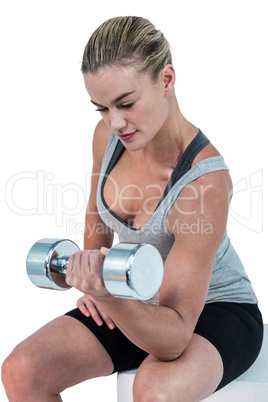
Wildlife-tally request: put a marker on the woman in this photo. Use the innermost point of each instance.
(156, 179)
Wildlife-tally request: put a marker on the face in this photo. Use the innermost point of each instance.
(133, 106)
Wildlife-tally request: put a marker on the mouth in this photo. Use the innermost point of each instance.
(126, 137)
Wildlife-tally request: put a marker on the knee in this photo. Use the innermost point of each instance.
(147, 389)
(154, 385)
(17, 371)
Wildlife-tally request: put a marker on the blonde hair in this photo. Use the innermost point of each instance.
(127, 41)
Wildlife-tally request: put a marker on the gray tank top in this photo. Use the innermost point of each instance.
(229, 281)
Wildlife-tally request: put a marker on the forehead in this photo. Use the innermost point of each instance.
(110, 82)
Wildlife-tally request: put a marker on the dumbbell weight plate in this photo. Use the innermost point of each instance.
(133, 271)
(39, 262)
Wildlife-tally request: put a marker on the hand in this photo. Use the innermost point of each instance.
(89, 307)
(85, 272)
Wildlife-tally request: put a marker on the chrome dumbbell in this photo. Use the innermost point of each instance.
(131, 271)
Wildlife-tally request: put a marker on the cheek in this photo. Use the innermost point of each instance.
(106, 120)
(152, 108)
(155, 116)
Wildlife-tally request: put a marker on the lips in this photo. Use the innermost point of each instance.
(126, 137)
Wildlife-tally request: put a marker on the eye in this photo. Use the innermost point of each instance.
(104, 109)
(127, 106)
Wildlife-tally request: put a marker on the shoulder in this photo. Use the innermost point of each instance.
(100, 141)
(205, 200)
(208, 152)
(211, 187)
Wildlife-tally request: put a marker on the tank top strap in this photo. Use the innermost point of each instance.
(185, 162)
(118, 150)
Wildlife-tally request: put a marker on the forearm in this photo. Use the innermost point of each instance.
(158, 330)
(97, 234)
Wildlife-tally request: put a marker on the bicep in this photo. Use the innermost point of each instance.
(198, 224)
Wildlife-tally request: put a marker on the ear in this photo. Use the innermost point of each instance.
(168, 78)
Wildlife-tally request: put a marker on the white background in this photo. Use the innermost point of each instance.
(47, 121)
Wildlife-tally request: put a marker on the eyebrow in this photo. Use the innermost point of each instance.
(118, 99)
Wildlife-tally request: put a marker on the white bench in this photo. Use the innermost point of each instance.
(252, 386)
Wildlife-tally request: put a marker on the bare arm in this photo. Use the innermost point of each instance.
(165, 330)
(97, 234)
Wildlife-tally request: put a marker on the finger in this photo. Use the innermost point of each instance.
(94, 314)
(104, 250)
(70, 265)
(88, 309)
(74, 270)
(106, 318)
(96, 268)
(85, 262)
(82, 304)
(93, 310)
(69, 270)
(82, 307)
(87, 305)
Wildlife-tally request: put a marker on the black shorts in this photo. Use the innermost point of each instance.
(235, 329)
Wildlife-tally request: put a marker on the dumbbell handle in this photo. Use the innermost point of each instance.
(60, 265)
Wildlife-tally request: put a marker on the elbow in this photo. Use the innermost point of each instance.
(174, 348)
(173, 353)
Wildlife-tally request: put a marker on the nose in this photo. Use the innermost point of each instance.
(117, 120)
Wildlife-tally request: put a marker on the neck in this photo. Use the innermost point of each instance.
(172, 140)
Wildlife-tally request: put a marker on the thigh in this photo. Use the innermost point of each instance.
(63, 353)
(192, 377)
(236, 331)
(124, 354)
